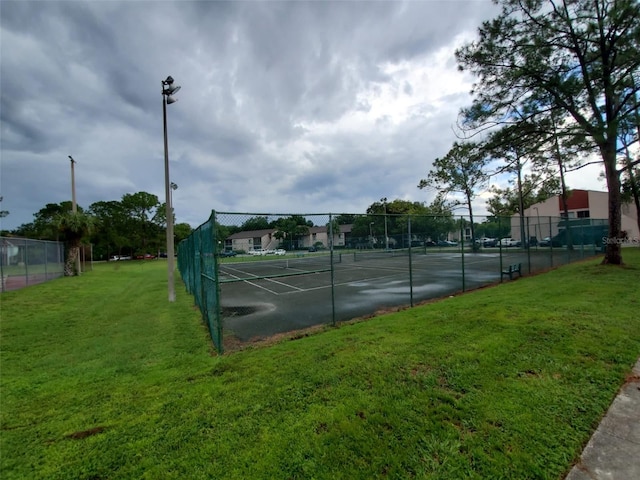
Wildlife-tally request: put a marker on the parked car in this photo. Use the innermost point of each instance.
(256, 251)
(486, 242)
(509, 242)
(489, 242)
(280, 251)
(447, 243)
(227, 253)
(545, 242)
(146, 256)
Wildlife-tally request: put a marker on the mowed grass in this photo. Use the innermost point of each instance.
(102, 378)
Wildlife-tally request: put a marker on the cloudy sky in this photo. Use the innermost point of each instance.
(300, 107)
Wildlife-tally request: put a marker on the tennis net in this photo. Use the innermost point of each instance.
(302, 264)
(396, 253)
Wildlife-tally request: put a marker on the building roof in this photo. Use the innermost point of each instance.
(252, 234)
(271, 231)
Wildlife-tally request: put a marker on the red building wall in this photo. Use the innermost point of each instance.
(578, 200)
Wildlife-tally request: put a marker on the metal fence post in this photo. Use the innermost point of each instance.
(462, 225)
(528, 245)
(550, 242)
(26, 261)
(216, 276)
(3, 252)
(500, 246)
(46, 258)
(333, 290)
(410, 240)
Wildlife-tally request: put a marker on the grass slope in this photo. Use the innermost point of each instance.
(102, 378)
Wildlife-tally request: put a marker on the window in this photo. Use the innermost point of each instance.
(583, 214)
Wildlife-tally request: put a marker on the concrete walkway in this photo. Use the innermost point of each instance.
(613, 453)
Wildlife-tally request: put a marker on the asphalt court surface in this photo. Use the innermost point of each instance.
(297, 295)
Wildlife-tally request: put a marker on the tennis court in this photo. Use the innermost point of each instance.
(262, 298)
(341, 267)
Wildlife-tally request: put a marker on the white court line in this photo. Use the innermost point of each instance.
(399, 272)
(260, 278)
(250, 283)
(368, 279)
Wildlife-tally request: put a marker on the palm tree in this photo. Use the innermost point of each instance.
(73, 226)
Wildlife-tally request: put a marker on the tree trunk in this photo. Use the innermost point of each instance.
(70, 264)
(474, 246)
(564, 197)
(613, 247)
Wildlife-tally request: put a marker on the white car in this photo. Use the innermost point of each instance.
(509, 242)
(280, 251)
(256, 251)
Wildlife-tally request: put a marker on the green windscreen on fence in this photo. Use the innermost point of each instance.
(197, 263)
(255, 275)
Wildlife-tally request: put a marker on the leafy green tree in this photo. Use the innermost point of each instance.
(44, 225)
(630, 131)
(144, 217)
(345, 219)
(461, 171)
(437, 221)
(3, 213)
(290, 229)
(494, 227)
(569, 58)
(505, 202)
(256, 223)
(111, 233)
(73, 226)
(183, 230)
(426, 221)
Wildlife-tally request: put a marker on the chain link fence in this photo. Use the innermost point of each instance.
(25, 262)
(197, 262)
(254, 276)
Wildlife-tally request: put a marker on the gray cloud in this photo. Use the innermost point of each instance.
(284, 106)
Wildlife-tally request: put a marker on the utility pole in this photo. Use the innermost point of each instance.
(74, 206)
(168, 89)
(386, 235)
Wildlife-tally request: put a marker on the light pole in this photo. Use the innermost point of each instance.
(168, 89)
(537, 224)
(74, 205)
(386, 236)
(371, 234)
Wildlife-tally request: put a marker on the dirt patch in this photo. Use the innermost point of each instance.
(86, 433)
(632, 379)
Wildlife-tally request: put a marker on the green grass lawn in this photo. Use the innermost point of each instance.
(102, 378)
